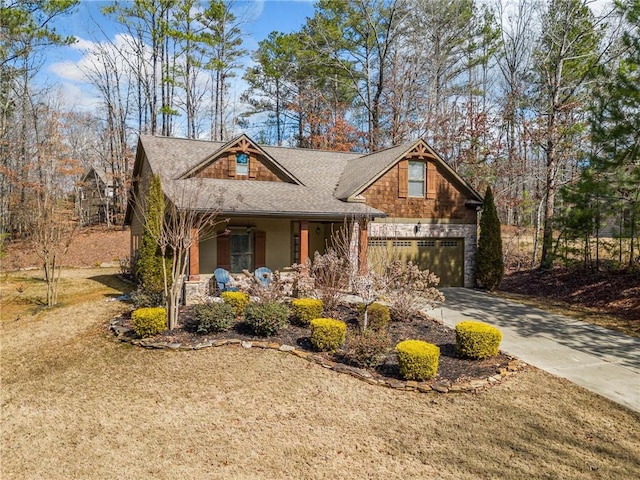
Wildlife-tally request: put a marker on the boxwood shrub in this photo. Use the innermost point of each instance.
(477, 339)
(265, 319)
(149, 321)
(378, 316)
(328, 334)
(213, 317)
(237, 300)
(417, 360)
(306, 309)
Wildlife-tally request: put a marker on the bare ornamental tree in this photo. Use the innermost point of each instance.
(190, 215)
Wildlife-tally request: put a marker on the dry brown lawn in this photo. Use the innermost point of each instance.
(77, 404)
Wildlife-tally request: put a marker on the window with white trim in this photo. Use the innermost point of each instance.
(417, 178)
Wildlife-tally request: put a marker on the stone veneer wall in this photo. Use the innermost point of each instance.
(195, 290)
(452, 230)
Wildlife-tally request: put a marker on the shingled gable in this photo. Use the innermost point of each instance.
(364, 171)
(244, 144)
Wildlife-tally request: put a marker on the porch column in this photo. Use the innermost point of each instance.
(363, 246)
(194, 256)
(304, 241)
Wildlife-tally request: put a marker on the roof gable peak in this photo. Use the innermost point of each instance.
(241, 144)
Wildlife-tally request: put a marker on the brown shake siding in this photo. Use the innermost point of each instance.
(449, 202)
(224, 168)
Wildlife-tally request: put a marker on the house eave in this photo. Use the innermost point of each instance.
(299, 214)
(474, 204)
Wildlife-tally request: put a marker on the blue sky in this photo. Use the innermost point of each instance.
(88, 25)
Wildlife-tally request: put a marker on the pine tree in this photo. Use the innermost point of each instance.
(616, 133)
(150, 263)
(489, 266)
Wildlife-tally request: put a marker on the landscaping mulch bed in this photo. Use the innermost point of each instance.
(451, 370)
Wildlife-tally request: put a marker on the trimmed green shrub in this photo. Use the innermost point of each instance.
(378, 316)
(237, 300)
(149, 321)
(265, 319)
(477, 339)
(306, 309)
(489, 262)
(368, 348)
(417, 360)
(328, 333)
(149, 264)
(212, 317)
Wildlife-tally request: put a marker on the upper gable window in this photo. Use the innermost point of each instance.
(242, 164)
(416, 179)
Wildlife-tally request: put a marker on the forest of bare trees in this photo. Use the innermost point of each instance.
(538, 99)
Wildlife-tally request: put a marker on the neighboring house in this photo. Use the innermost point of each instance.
(95, 201)
(285, 203)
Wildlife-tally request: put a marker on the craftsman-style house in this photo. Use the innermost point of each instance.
(283, 204)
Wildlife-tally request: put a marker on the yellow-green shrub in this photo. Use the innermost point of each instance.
(477, 339)
(417, 360)
(306, 309)
(378, 316)
(328, 333)
(148, 321)
(237, 300)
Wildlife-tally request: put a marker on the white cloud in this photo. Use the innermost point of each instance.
(67, 70)
(82, 44)
(77, 98)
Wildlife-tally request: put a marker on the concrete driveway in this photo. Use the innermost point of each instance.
(600, 360)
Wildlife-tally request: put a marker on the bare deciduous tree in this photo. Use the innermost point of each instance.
(190, 215)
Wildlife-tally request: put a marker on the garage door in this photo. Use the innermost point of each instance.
(442, 256)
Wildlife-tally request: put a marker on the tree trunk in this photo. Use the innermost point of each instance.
(546, 260)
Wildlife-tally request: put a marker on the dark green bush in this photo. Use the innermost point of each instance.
(328, 333)
(213, 317)
(477, 339)
(417, 360)
(144, 298)
(149, 321)
(489, 262)
(306, 309)
(149, 264)
(368, 348)
(265, 319)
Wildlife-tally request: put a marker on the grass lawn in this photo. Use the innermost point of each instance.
(78, 404)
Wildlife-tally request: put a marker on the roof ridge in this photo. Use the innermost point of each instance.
(321, 150)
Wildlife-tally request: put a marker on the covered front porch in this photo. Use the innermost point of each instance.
(247, 243)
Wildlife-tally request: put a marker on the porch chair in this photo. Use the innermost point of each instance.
(263, 276)
(224, 280)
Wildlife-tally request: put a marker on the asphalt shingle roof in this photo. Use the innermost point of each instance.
(318, 171)
(362, 170)
(322, 181)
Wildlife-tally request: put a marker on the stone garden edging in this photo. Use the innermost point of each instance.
(407, 385)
